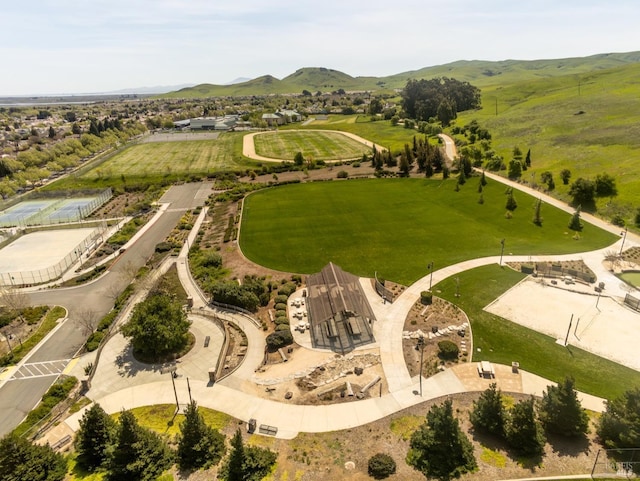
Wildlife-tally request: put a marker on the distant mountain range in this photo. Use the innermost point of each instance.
(480, 73)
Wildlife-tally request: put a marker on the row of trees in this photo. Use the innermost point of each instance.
(440, 98)
(440, 449)
(126, 450)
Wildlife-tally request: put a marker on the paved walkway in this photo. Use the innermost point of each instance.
(129, 385)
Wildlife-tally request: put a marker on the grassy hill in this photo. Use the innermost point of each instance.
(478, 72)
(588, 123)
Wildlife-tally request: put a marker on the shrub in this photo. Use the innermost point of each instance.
(381, 466)
(526, 268)
(94, 341)
(283, 327)
(343, 174)
(279, 339)
(280, 321)
(448, 349)
(280, 300)
(426, 297)
(163, 247)
(287, 289)
(281, 306)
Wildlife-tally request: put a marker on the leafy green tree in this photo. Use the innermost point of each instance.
(512, 204)
(22, 460)
(95, 436)
(199, 445)
(235, 465)
(375, 106)
(298, 159)
(524, 433)
(230, 292)
(488, 414)
(515, 169)
(537, 213)
(381, 466)
(439, 449)
(52, 132)
(619, 425)
(561, 411)
(575, 223)
(404, 165)
(565, 175)
(605, 186)
(138, 453)
(582, 192)
(246, 463)
(158, 326)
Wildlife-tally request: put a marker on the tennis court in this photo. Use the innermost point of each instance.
(53, 210)
(20, 214)
(43, 256)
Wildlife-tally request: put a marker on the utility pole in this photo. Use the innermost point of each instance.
(566, 340)
(420, 346)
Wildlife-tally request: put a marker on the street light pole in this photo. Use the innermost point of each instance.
(501, 251)
(624, 238)
(430, 266)
(421, 346)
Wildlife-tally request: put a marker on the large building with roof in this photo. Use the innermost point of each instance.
(340, 315)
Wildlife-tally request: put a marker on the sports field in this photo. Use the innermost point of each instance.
(177, 157)
(313, 145)
(397, 226)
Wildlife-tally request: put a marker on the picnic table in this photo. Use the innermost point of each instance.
(485, 369)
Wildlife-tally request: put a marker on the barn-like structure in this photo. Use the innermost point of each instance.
(340, 316)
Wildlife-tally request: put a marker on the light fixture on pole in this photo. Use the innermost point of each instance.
(420, 345)
(430, 266)
(501, 251)
(624, 238)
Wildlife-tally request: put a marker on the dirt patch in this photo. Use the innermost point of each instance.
(327, 456)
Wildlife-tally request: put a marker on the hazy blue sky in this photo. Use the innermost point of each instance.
(74, 46)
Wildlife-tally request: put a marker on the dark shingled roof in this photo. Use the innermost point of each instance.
(339, 312)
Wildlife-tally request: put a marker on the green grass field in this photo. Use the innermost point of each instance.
(503, 341)
(315, 145)
(632, 278)
(380, 132)
(397, 226)
(587, 123)
(164, 162)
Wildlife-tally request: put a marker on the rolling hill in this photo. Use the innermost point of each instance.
(478, 72)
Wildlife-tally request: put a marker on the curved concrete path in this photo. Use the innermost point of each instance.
(227, 396)
(249, 146)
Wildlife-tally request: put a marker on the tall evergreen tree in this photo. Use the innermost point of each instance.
(527, 159)
(235, 465)
(483, 179)
(512, 204)
(619, 425)
(561, 411)
(22, 460)
(439, 449)
(488, 413)
(537, 214)
(95, 436)
(524, 432)
(574, 223)
(138, 454)
(199, 445)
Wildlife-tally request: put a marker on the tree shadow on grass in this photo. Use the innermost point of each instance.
(496, 443)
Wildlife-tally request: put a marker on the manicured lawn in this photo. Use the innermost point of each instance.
(165, 162)
(316, 145)
(632, 278)
(397, 226)
(381, 132)
(502, 341)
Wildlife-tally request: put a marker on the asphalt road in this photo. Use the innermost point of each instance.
(22, 392)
